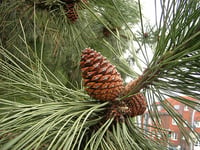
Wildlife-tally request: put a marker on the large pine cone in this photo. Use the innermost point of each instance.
(100, 77)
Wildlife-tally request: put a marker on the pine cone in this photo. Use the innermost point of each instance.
(136, 104)
(101, 79)
(70, 9)
(128, 107)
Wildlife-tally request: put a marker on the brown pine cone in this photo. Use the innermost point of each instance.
(100, 77)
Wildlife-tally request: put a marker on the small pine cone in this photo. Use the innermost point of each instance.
(100, 77)
(128, 107)
(71, 12)
(72, 15)
(137, 104)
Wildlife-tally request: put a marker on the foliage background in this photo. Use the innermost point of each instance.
(43, 104)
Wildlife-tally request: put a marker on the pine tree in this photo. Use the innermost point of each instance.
(55, 95)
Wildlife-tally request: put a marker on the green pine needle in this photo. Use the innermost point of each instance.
(42, 102)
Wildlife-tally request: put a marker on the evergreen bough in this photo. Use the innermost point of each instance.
(42, 102)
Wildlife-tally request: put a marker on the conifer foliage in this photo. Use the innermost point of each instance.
(56, 94)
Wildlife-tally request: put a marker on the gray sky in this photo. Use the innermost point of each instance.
(148, 10)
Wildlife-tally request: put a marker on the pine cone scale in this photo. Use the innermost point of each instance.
(110, 70)
(96, 77)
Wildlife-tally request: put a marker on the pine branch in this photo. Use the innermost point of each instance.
(41, 111)
(173, 54)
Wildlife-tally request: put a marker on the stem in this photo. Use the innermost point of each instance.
(148, 76)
